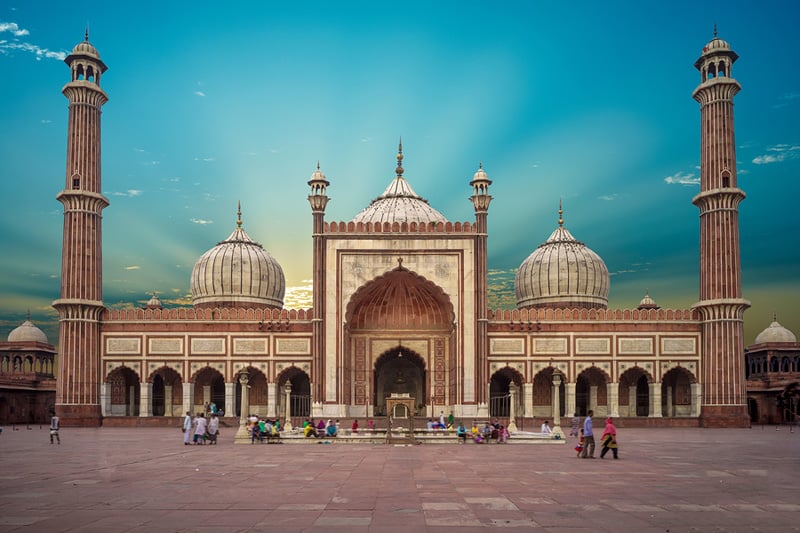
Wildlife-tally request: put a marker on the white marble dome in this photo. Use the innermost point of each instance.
(27, 332)
(399, 203)
(775, 333)
(237, 272)
(563, 272)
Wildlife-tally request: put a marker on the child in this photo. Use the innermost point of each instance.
(579, 447)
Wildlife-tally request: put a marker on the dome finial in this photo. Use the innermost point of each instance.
(560, 214)
(715, 29)
(317, 164)
(399, 169)
(29, 315)
(86, 33)
(239, 215)
(774, 316)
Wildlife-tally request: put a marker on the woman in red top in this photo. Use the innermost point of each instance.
(609, 439)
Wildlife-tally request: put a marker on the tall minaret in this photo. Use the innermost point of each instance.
(318, 198)
(81, 301)
(721, 306)
(480, 200)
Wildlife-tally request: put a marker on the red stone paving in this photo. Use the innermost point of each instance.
(145, 479)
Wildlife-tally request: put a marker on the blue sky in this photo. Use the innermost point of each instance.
(213, 103)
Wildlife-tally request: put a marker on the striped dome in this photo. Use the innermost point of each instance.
(562, 273)
(237, 272)
(399, 203)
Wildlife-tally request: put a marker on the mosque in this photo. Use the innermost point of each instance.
(399, 323)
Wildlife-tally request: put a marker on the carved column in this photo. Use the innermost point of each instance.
(557, 406)
(287, 391)
(242, 435)
(512, 409)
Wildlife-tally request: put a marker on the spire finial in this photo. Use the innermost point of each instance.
(239, 215)
(399, 169)
(480, 165)
(560, 214)
(317, 164)
(29, 315)
(86, 33)
(774, 316)
(715, 29)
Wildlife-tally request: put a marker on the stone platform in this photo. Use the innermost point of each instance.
(146, 480)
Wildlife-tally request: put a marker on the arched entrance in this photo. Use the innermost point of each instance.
(500, 391)
(676, 393)
(399, 308)
(209, 386)
(543, 394)
(591, 392)
(634, 392)
(123, 384)
(399, 373)
(167, 392)
(300, 395)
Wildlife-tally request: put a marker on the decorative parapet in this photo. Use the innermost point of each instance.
(525, 316)
(189, 313)
(399, 227)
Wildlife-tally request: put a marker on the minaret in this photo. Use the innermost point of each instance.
(81, 301)
(318, 198)
(721, 307)
(480, 200)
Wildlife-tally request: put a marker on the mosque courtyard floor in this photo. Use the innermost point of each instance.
(146, 479)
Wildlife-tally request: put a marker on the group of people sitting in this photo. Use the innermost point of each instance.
(324, 429)
(261, 428)
(492, 430)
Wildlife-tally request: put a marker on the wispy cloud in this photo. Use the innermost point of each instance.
(205, 159)
(7, 47)
(777, 153)
(129, 193)
(609, 197)
(299, 296)
(199, 93)
(133, 267)
(46, 121)
(13, 28)
(681, 178)
(786, 99)
(200, 221)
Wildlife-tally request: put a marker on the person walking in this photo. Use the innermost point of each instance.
(575, 426)
(54, 425)
(609, 439)
(213, 428)
(187, 428)
(588, 437)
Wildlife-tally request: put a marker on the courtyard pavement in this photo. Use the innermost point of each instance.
(145, 479)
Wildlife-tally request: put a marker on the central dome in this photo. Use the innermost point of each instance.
(562, 273)
(399, 203)
(237, 272)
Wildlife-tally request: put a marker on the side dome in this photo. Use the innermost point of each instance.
(27, 332)
(562, 273)
(775, 333)
(399, 203)
(237, 272)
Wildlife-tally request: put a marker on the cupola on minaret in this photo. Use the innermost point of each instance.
(81, 300)
(721, 306)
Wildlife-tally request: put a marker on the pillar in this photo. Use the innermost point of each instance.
(655, 400)
(527, 400)
(670, 405)
(188, 397)
(632, 404)
(613, 399)
(145, 392)
(242, 435)
(557, 406)
(230, 399)
(272, 400)
(569, 399)
(168, 401)
(593, 398)
(512, 410)
(287, 392)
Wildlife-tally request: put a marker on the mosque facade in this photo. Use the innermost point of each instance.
(399, 323)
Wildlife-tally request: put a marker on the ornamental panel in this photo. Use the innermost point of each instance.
(250, 346)
(507, 346)
(159, 345)
(117, 346)
(592, 346)
(205, 346)
(288, 346)
(550, 346)
(682, 346)
(635, 346)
